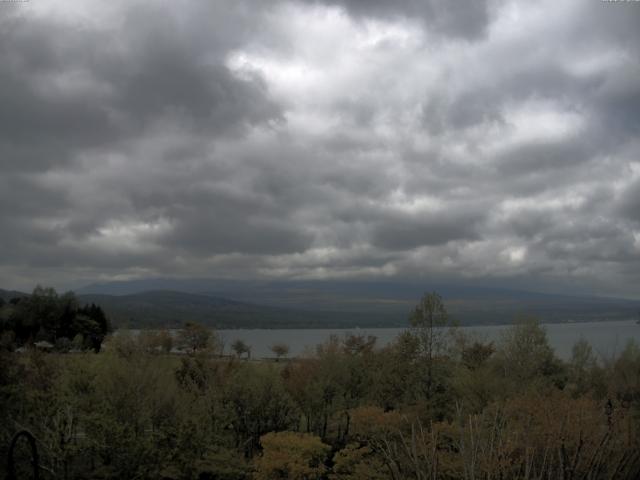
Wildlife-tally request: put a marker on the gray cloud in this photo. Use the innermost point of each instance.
(494, 141)
(460, 19)
(67, 88)
(411, 232)
(629, 203)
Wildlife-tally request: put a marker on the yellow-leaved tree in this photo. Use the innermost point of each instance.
(291, 455)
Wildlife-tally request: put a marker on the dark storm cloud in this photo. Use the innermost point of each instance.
(629, 203)
(165, 79)
(222, 223)
(490, 140)
(25, 196)
(68, 88)
(407, 232)
(200, 233)
(528, 223)
(541, 155)
(39, 129)
(72, 92)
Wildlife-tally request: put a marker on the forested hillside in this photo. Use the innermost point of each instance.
(170, 309)
(433, 404)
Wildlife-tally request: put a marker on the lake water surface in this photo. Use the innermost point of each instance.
(606, 338)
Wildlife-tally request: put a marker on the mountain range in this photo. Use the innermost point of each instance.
(274, 304)
(328, 304)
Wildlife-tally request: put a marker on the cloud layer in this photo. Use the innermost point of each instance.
(492, 142)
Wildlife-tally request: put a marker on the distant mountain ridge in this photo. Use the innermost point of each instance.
(7, 295)
(309, 304)
(171, 309)
(166, 308)
(354, 303)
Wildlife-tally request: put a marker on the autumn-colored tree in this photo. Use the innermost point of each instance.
(358, 344)
(358, 462)
(291, 456)
(280, 350)
(371, 422)
(550, 435)
(475, 355)
(194, 337)
(165, 340)
(406, 447)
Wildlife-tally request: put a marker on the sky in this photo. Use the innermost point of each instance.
(484, 142)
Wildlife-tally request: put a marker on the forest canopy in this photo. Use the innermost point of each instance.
(431, 404)
(50, 320)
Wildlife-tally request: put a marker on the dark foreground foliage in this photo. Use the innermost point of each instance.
(432, 405)
(51, 321)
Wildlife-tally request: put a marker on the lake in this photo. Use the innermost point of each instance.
(606, 338)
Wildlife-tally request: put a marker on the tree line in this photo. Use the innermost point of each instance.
(433, 404)
(55, 321)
